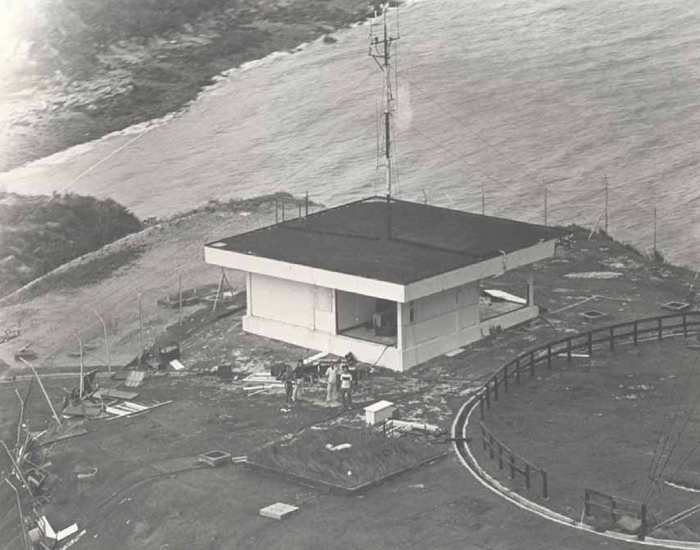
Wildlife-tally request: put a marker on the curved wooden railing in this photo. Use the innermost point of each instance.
(630, 332)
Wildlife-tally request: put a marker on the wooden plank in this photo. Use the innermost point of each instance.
(133, 406)
(115, 394)
(116, 411)
(150, 408)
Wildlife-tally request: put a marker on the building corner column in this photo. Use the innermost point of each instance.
(399, 326)
(249, 293)
(530, 288)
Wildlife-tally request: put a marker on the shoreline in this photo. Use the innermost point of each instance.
(145, 84)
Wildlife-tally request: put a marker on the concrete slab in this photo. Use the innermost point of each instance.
(278, 511)
(215, 458)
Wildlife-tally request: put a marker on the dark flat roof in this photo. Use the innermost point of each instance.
(425, 240)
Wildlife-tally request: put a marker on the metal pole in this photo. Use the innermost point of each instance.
(17, 469)
(21, 416)
(483, 201)
(21, 515)
(104, 327)
(41, 385)
(141, 327)
(654, 232)
(545, 201)
(82, 367)
(179, 290)
(606, 204)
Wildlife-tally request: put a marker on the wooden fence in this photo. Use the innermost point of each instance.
(608, 337)
(616, 507)
(517, 464)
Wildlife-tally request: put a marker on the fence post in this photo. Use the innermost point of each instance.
(483, 437)
(586, 500)
(660, 328)
(635, 332)
(495, 387)
(505, 378)
(500, 456)
(685, 325)
(517, 369)
(613, 506)
(545, 487)
(491, 445)
(643, 528)
(568, 350)
(549, 356)
(612, 339)
(532, 364)
(590, 344)
(527, 476)
(488, 397)
(512, 466)
(481, 406)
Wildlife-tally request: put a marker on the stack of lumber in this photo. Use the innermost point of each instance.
(259, 382)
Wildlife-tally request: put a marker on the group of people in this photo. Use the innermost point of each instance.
(339, 382)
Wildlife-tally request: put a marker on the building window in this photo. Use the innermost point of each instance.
(411, 312)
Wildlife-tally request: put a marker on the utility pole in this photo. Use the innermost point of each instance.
(545, 201)
(606, 204)
(380, 51)
(104, 327)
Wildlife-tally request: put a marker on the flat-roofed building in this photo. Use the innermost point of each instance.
(394, 282)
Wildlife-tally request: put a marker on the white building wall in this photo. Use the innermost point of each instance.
(299, 314)
(291, 302)
(440, 315)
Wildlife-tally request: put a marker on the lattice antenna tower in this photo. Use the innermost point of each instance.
(380, 50)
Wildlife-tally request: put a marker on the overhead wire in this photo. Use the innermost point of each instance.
(490, 145)
(160, 261)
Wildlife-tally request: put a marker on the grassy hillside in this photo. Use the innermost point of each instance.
(40, 233)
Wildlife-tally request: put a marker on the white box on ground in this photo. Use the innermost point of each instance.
(379, 412)
(279, 510)
(176, 364)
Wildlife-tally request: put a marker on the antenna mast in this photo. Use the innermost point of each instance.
(380, 51)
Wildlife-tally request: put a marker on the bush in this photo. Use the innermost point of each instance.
(41, 233)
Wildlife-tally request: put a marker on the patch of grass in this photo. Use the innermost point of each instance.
(41, 233)
(371, 457)
(88, 272)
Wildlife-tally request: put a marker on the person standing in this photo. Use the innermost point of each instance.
(332, 383)
(298, 381)
(346, 387)
(288, 379)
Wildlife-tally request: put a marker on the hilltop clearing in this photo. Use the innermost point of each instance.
(55, 308)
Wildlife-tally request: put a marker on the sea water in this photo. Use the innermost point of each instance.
(496, 99)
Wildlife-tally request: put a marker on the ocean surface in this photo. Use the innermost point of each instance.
(506, 96)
